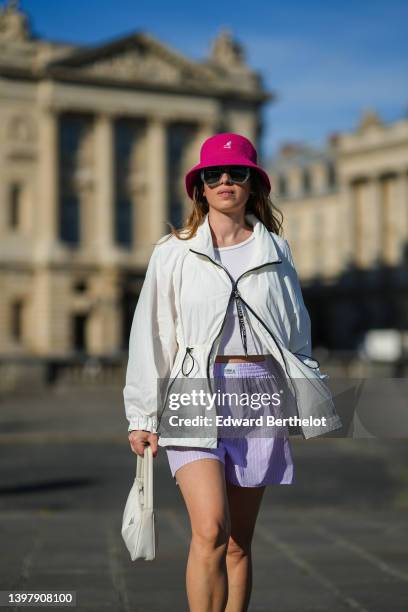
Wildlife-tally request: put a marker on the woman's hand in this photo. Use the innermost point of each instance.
(139, 438)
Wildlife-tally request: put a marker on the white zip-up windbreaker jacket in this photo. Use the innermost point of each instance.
(179, 318)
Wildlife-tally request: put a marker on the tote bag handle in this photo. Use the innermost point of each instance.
(144, 472)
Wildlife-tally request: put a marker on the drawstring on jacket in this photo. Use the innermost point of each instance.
(188, 352)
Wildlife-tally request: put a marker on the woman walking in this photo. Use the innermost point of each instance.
(221, 301)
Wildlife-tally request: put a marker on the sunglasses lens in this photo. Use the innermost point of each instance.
(212, 176)
(237, 174)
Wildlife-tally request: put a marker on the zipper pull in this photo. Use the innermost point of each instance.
(241, 321)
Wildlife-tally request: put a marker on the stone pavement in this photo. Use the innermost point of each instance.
(336, 539)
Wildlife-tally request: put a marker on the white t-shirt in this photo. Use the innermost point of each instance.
(236, 259)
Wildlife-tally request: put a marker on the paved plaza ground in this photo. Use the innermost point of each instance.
(335, 540)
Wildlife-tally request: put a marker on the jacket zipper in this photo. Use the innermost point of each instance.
(238, 296)
(241, 321)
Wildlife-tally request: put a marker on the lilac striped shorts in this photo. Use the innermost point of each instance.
(248, 461)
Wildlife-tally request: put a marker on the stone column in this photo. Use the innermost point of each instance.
(373, 244)
(191, 157)
(204, 131)
(346, 239)
(47, 202)
(402, 187)
(318, 173)
(390, 219)
(360, 199)
(156, 145)
(104, 325)
(103, 217)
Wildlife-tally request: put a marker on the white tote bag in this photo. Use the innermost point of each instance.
(138, 525)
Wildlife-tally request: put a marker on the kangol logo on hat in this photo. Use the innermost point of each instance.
(226, 149)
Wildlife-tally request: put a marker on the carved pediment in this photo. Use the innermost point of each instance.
(134, 65)
(138, 58)
(141, 59)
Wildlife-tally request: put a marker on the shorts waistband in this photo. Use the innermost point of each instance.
(244, 368)
(248, 359)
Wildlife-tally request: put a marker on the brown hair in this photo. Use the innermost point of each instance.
(258, 203)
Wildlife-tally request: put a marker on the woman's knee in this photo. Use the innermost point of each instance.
(211, 535)
(239, 547)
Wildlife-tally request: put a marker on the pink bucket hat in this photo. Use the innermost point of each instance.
(225, 149)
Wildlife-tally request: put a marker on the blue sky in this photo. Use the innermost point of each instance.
(326, 61)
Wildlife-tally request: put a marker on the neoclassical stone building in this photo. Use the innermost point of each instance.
(94, 143)
(346, 218)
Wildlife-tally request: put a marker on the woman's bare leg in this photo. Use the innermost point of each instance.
(202, 484)
(244, 503)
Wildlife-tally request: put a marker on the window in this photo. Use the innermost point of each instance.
(306, 181)
(15, 199)
(331, 175)
(79, 324)
(75, 157)
(69, 219)
(123, 221)
(16, 327)
(80, 286)
(129, 167)
(282, 185)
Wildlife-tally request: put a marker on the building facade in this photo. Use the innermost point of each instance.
(346, 218)
(94, 144)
